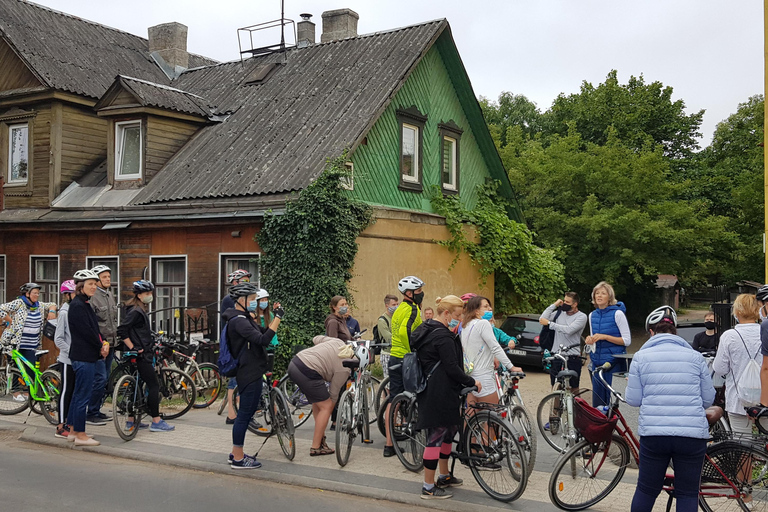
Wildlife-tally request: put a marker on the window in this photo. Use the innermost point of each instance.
(113, 263)
(449, 163)
(169, 275)
(128, 150)
(232, 262)
(411, 123)
(2, 278)
(45, 272)
(348, 182)
(18, 153)
(450, 136)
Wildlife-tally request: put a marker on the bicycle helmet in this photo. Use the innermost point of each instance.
(142, 286)
(237, 275)
(361, 352)
(67, 287)
(243, 290)
(82, 275)
(28, 287)
(262, 294)
(762, 293)
(465, 298)
(409, 283)
(100, 269)
(661, 314)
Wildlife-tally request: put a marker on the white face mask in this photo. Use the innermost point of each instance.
(147, 299)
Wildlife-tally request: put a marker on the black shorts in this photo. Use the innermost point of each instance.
(309, 381)
(395, 377)
(574, 363)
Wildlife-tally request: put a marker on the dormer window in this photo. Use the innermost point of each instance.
(18, 153)
(129, 147)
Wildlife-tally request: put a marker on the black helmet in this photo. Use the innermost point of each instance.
(142, 286)
(28, 287)
(762, 293)
(243, 290)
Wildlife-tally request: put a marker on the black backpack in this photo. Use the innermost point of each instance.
(414, 379)
(547, 335)
(377, 338)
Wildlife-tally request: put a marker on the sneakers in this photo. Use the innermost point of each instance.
(448, 481)
(254, 425)
(161, 426)
(389, 451)
(247, 462)
(488, 466)
(142, 426)
(19, 398)
(230, 421)
(86, 442)
(62, 433)
(436, 493)
(554, 425)
(103, 417)
(95, 420)
(71, 437)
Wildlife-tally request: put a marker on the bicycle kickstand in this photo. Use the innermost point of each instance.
(28, 414)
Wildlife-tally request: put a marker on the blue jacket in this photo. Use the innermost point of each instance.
(670, 382)
(603, 322)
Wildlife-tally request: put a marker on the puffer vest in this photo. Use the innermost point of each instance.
(604, 322)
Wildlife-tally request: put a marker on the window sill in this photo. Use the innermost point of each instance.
(411, 186)
(449, 191)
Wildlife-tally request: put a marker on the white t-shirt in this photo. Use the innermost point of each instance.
(481, 347)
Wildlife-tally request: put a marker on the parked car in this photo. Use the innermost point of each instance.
(526, 328)
(688, 330)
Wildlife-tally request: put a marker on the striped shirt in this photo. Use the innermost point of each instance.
(30, 334)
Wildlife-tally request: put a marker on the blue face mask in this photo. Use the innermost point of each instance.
(263, 304)
(253, 305)
(488, 315)
(452, 324)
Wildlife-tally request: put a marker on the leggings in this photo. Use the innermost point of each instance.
(149, 377)
(439, 443)
(65, 397)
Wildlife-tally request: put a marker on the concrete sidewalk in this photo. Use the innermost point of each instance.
(202, 441)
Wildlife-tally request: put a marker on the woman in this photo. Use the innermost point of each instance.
(481, 349)
(310, 370)
(440, 354)
(737, 347)
(335, 323)
(26, 315)
(134, 330)
(247, 343)
(670, 383)
(86, 348)
(609, 336)
(63, 339)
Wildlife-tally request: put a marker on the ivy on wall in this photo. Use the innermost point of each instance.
(527, 277)
(309, 252)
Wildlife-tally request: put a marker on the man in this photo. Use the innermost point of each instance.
(706, 341)
(568, 328)
(235, 278)
(429, 313)
(383, 325)
(105, 307)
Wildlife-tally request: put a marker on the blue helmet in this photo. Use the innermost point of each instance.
(142, 286)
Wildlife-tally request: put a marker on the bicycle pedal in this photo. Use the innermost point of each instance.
(368, 441)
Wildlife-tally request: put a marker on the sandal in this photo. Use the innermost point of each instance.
(323, 450)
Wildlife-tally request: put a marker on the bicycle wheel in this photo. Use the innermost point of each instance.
(300, 408)
(261, 423)
(496, 459)
(372, 391)
(14, 392)
(552, 420)
(381, 418)
(51, 381)
(382, 395)
(117, 372)
(409, 443)
(346, 428)
(177, 393)
(126, 413)
(734, 477)
(282, 424)
(521, 425)
(587, 473)
(207, 384)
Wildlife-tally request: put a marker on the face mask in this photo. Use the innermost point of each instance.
(452, 324)
(391, 309)
(343, 310)
(710, 325)
(565, 308)
(263, 304)
(147, 299)
(253, 305)
(488, 315)
(418, 297)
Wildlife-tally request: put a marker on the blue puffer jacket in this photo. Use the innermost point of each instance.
(670, 383)
(603, 322)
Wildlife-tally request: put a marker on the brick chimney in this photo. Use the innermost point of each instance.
(305, 31)
(339, 24)
(169, 41)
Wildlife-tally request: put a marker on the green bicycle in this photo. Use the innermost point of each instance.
(22, 385)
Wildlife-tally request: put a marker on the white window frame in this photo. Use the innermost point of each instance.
(416, 156)
(349, 183)
(115, 279)
(152, 259)
(119, 128)
(11, 181)
(4, 280)
(450, 185)
(33, 257)
(220, 280)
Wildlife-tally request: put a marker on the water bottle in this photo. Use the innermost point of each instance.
(546, 364)
(604, 409)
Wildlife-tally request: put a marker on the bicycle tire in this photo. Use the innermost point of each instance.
(282, 424)
(224, 400)
(126, 404)
(382, 395)
(409, 443)
(123, 368)
(610, 459)
(546, 413)
(521, 425)
(381, 418)
(261, 416)
(177, 393)
(491, 442)
(12, 384)
(207, 384)
(723, 485)
(298, 404)
(372, 390)
(345, 428)
(51, 381)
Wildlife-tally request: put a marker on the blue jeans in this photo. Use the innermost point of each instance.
(600, 394)
(232, 384)
(687, 454)
(84, 377)
(103, 368)
(249, 402)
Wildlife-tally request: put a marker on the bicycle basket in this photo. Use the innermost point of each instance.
(592, 424)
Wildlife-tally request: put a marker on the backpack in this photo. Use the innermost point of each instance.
(227, 363)
(377, 338)
(547, 335)
(748, 387)
(414, 379)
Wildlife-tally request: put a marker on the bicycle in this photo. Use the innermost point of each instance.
(507, 385)
(206, 376)
(731, 472)
(22, 385)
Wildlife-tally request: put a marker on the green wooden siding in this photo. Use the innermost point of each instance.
(377, 163)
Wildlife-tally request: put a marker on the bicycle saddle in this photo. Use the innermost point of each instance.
(516, 375)
(41, 352)
(350, 363)
(566, 373)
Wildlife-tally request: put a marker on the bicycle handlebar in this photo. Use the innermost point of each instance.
(599, 370)
(466, 391)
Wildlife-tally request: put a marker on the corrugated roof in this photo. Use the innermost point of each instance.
(166, 97)
(318, 102)
(72, 54)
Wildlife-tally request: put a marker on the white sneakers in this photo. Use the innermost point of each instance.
(86, 442)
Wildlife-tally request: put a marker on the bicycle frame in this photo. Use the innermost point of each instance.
(35, 384)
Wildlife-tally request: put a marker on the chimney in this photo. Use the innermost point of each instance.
(305, 31)
(169, 41)
(339, 24)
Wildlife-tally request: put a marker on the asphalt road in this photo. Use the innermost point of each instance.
(34, 478)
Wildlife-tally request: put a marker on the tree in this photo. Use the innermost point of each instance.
(511, 110)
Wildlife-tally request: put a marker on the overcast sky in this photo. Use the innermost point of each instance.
(710, 52)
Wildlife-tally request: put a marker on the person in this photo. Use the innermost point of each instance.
(234, 278)
(63, 339)
(247, 343)
(670, 383)
(335, 324)
(105, 307)
(86, 348)
(705, 341)
(737, 347)
(762, 295)
(135, 332)
(503, 338)
(353, 326)
(568, 326)
(405, 319)
(609, 336)
(440, 355)
(482, 350)
(762, 300)
(310, 370)
(428, 313)
(383, 325)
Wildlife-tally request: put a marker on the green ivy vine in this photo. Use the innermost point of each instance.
(308, 255)
(527, 277)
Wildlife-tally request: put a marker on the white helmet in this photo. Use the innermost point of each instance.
(82, 275)
(409, 283)
(262, 294)
(661, 313)
(100, 269)
(361, 352)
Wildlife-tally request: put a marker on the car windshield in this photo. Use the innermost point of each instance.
(688, 333)
(516, 326)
